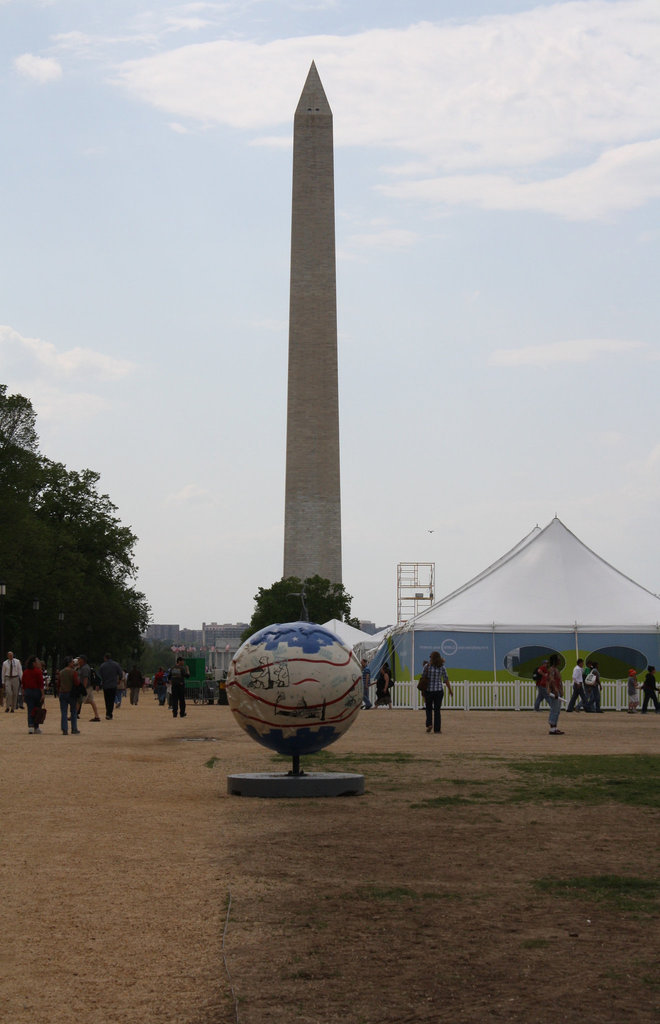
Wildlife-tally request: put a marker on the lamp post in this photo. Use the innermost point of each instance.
(3, 593)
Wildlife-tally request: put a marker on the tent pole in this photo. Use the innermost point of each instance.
(494, 657)
(577, 643)
(413, 691)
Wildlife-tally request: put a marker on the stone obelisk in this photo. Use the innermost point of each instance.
(312, 515)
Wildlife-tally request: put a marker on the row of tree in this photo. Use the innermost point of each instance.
(66, 561)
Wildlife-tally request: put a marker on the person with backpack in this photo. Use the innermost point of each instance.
(540, 677)
(592, 688)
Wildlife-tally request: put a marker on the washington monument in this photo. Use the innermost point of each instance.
(312, 513)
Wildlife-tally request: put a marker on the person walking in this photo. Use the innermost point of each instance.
(633, 696)
(366, 685)
(110, 674)
(650, 692)
(178, 675)
(68, 700)
(33, 691)
(578, 688)
(160, 686)
(596, 687)
(541, 679)
(555, 692)
(437, 680)
(384, 687)
(85, 677)
(12, 672)
(135, 682)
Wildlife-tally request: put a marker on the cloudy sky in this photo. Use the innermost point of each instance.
(497, 174)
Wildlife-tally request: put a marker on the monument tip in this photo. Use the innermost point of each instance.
(313, 99)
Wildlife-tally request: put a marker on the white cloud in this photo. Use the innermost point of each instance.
(512, 88)
(59, 383)
(560, 352)
(483, 108)
(39, 69)
(190, 494)
(621, 179)
(36, 356)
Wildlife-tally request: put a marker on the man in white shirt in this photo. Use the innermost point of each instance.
(578, 688)
(12, 673)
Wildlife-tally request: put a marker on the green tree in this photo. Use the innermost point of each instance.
(281, 602)
(62, 542)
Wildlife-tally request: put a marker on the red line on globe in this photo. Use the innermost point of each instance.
(290, 661)
(292, 707)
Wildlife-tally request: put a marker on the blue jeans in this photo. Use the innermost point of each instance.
(365, 695)
(69, 704)
(555, 708)
(541, 695)
(433, 701)
(32, 700)
(161, 690)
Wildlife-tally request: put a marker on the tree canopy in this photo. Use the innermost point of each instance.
(61, 544)
(281, 602)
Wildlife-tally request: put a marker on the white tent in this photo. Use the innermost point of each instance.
(550, 581)
(548, 593)
(349, 634)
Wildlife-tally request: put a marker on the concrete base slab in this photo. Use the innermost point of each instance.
(311, 784)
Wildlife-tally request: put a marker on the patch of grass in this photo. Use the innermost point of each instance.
(621, 892)
(628, 779)
(397, 894)
(589, 779)
(443, 801)
(536, 943)
(212, 761)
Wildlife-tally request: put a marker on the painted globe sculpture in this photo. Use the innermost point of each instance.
(295, 687)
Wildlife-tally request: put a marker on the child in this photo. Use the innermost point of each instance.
(633, 699)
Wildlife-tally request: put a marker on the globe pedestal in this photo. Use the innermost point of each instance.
(306, 784)
(295, 688)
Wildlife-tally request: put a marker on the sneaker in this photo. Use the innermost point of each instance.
(38, 731)
(429, 728)
(30, 731)
(556, 732)
(95, 719)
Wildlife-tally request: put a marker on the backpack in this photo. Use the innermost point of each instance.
(94, 678)
(536, 675)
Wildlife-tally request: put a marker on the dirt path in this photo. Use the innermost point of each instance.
(120, 851)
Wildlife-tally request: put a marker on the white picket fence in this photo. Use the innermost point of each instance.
(511, 695)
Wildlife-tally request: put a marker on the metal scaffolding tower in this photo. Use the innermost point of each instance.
(415, 589)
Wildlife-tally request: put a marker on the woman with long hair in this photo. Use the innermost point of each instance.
(437, 680)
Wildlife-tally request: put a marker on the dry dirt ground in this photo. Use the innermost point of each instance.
(136, 891)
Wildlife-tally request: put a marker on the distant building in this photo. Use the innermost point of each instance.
(166, 633)
(191, 637)
(216, 634)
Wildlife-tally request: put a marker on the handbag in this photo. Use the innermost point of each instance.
(423, 683)
(39, 715)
